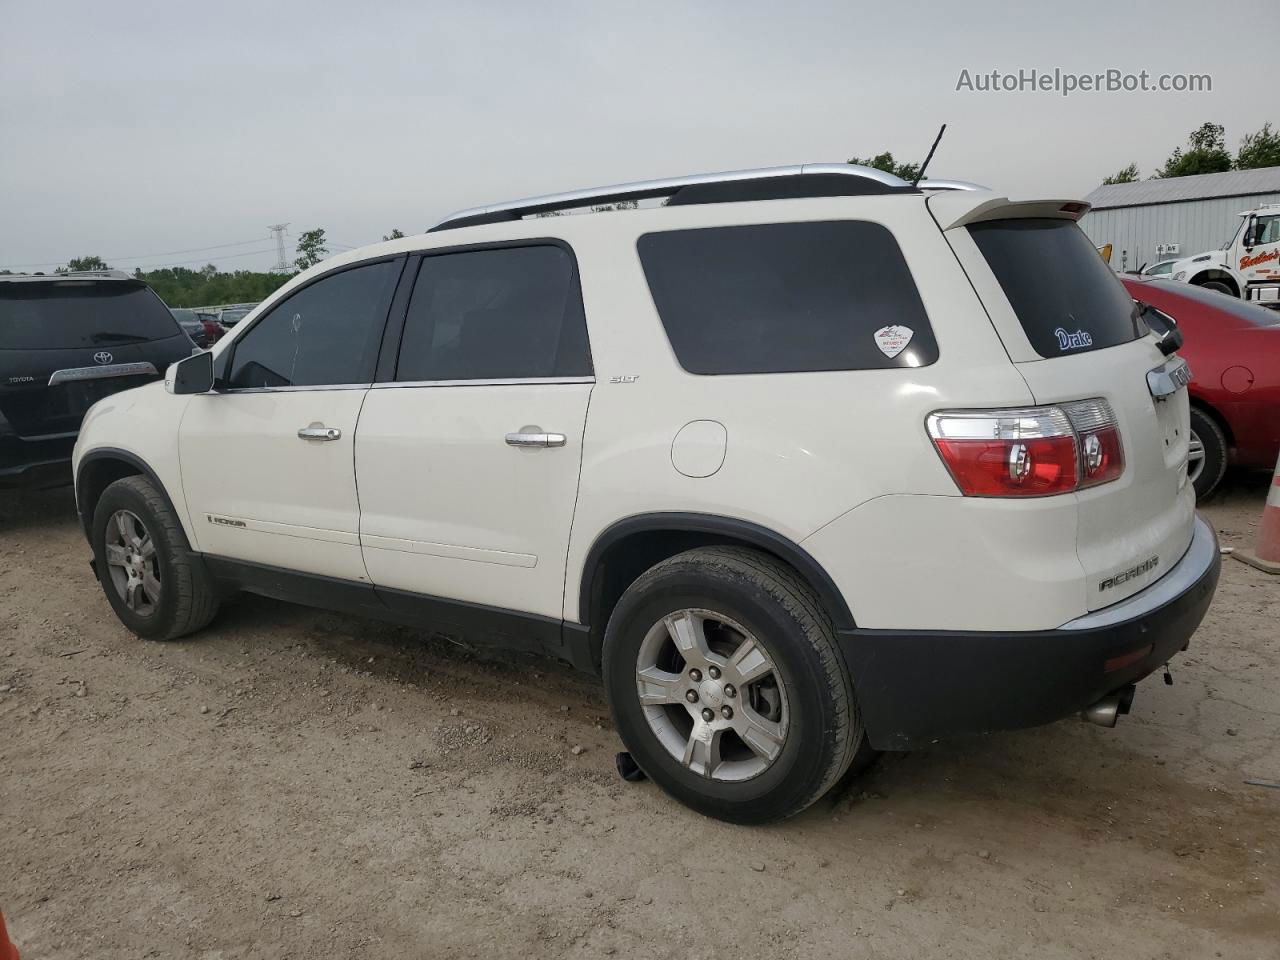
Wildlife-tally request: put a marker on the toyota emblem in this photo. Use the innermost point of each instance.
(102, 357)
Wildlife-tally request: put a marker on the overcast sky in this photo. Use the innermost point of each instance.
(132, 130)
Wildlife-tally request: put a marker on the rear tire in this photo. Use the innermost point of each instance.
(1209, 441)
(743, 634)
(157, 588)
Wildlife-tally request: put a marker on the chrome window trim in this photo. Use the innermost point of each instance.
(493, 382)
(293, 389)
(74, 374)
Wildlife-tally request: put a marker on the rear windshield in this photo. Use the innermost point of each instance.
(787, 297)
(62, 314)
(1065, 296)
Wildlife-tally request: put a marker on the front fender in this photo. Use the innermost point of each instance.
(137, 427)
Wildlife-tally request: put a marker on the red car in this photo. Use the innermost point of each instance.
(1233, 348)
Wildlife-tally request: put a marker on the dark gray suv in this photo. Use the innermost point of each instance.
(67, 341)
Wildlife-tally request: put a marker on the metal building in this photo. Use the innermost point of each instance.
(1151, 220)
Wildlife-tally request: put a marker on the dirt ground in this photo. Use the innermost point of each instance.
(291, 783)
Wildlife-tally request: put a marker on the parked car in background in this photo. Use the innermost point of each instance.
(796, 402)
(200, 327)
(230, 316)
(1161, 269)
(67, 341)
(1233, 348)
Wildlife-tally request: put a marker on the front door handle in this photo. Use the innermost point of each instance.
(318, 431)
(534, 437)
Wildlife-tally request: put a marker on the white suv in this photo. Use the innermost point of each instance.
(807, 462)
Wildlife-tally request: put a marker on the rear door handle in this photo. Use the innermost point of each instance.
(318, 431)
(533, 437)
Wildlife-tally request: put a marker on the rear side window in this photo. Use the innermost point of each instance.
(326, 333)
(68, 314)
(506, 313)
(787, 297)
(1066, 298)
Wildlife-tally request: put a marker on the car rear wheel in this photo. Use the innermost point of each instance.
(150, 578)
(726, 686)
(1206, 454)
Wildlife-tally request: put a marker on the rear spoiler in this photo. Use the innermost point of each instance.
(955, 208)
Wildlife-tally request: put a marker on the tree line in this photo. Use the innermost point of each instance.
(206, 286)
(1207, 152)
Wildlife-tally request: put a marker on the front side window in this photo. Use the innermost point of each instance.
(326, 333)
(1067, 300)
(504, 313)
(787, 297)
(1266, 230)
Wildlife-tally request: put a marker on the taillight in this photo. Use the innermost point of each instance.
(1101, 456)
(1029, 452)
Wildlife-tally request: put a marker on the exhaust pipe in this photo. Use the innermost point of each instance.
(1110, 708)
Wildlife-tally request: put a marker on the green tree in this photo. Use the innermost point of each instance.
(1261, 149)
(311, 248)
(76, 264)
(182, 287)
(395, 234)
(1206, 153)
(885, 162)
(1124, 175)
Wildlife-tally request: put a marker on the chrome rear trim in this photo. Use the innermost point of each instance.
(73, 374)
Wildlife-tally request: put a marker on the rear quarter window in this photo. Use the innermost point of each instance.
(786, 298)
(1066, 298)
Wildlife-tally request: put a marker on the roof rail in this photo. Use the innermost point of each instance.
(950, 185)
(109, 274)
(877, 180)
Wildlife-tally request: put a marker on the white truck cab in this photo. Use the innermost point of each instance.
(806, 462)
(1246, 266)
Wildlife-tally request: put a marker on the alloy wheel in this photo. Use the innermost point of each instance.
(132, 562)
(712, 695)
(1195, 457)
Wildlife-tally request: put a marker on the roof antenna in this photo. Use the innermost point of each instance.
(936, 140)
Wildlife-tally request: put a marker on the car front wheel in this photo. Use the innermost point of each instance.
(150, 578)
(727, 688)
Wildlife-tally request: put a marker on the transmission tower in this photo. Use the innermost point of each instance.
(278, 229)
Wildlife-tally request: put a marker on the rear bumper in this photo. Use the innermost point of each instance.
(918, 686)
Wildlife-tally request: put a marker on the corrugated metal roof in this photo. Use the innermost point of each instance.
(1234, 183)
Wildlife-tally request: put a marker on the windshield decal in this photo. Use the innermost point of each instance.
(1073, 341)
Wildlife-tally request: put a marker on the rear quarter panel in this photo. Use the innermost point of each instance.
(802, 448)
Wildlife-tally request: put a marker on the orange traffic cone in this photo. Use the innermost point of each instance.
(1267, 555)
(7, 950)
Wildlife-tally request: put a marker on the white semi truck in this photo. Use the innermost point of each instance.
(1247, 265)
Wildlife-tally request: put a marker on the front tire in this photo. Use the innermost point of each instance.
(1207, 454)
(157, 588)
(1217, 285)
(726, 686)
